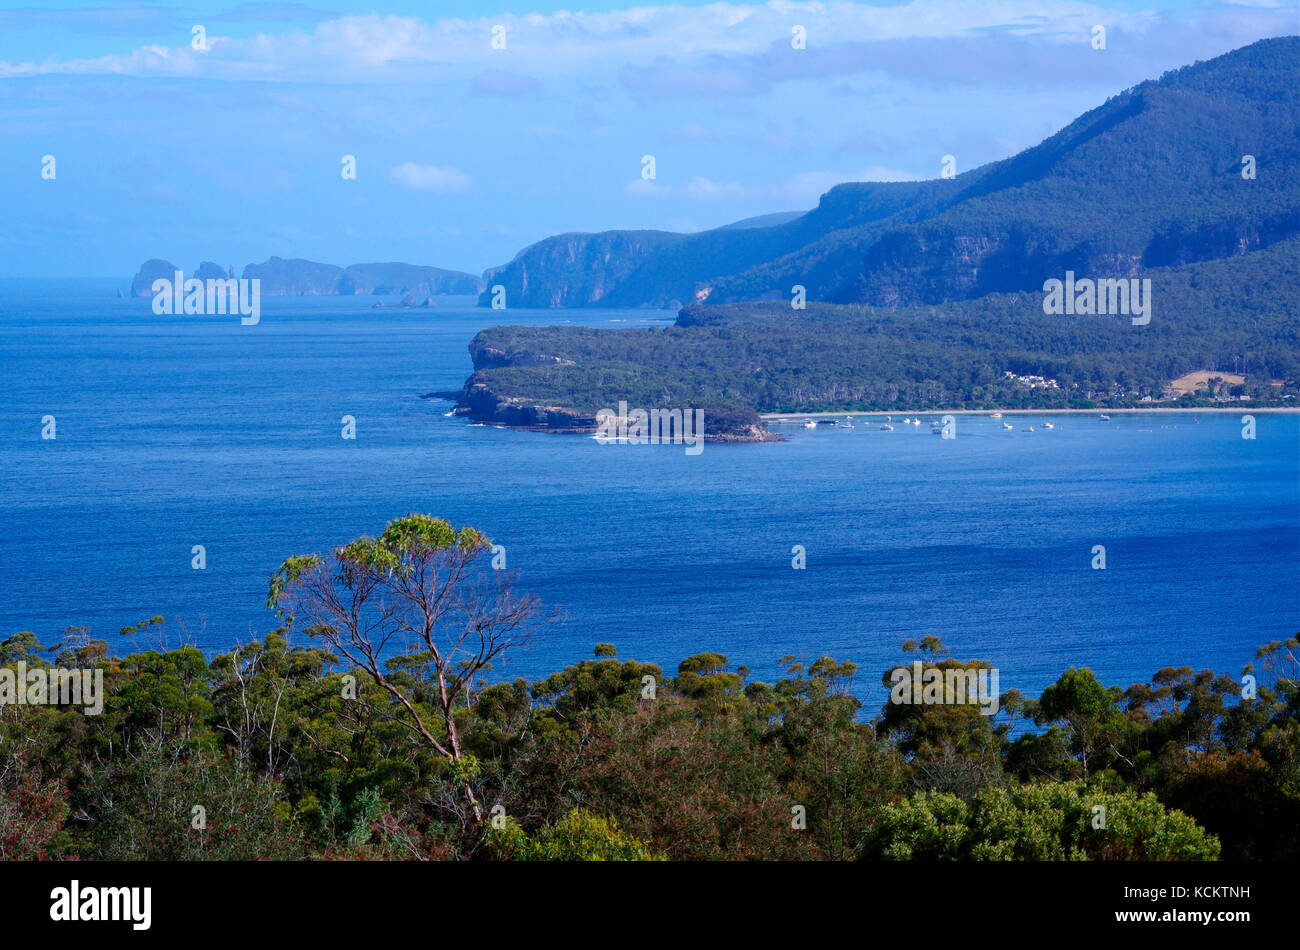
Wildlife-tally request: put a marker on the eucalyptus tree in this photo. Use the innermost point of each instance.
(418, 610)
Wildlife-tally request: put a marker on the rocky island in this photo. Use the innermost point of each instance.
(282, 277)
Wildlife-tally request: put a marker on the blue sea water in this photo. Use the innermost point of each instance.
(177, 431)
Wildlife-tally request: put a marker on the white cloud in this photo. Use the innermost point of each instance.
(728, 41)
(443, 181)
(697, 189)
(805, 187)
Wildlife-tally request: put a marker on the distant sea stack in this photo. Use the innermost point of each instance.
(210, 271)
(282, 277)
(151, 270)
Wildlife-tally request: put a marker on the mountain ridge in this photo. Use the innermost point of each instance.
(1071, 201)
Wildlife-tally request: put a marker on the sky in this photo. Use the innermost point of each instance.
(465, 153)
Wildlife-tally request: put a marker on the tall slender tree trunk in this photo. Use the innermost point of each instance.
(454, 736)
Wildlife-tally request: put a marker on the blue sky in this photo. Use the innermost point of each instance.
(465, 153)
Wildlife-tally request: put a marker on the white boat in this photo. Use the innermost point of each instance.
(887, 427)
(916, 421)
(848, 423)
(1030, 429)
(1049, 425)
(996, 415)
(1007, 425)
(809, 424)
(907, 422)
(1105, 418)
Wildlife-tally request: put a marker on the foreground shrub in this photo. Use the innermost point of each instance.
(32, 812)
(144, 808)
(578, 836)
(1047, 822)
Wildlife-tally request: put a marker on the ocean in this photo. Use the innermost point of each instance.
(181, 431)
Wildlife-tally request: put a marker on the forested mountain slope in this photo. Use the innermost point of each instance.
(1150, 178)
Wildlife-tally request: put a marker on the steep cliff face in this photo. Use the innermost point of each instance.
(574, 270)
(485, 405)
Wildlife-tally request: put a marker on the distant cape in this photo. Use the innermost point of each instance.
(299, 278)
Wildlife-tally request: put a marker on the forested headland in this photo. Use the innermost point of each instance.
(1236, 315)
